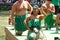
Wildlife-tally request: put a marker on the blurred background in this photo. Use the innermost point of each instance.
(5, 7)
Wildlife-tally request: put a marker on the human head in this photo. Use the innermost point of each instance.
(35, 9)
(48, 2)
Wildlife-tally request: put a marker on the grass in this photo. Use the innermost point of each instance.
(3, 23)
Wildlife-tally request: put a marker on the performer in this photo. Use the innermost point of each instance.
(34, 21)
(58, 21)
(19, 9)
(48, 9)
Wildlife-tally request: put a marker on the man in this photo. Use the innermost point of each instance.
(57, 12)
(58, 21)
(19, 9)
(48, 9)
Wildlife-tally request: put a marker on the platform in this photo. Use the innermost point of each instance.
(10, 34)
(49, 34)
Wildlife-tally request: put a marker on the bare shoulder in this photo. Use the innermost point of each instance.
(44, 5)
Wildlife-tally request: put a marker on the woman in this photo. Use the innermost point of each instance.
(32, 22)
(19, 9)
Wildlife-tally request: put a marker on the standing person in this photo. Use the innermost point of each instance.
(19, 9)
(34, 21)
(56, 3)
(48, 9)
(58, 21)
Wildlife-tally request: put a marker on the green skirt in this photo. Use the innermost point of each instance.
(19, 23)
(49, 21)
(34, 23)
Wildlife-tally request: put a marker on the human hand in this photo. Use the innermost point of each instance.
(11, 21)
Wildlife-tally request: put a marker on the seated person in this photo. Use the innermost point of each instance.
(19, 11)
(48, 9)
(58, 21)
(32, 22)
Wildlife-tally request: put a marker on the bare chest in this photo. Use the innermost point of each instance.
(22, 6)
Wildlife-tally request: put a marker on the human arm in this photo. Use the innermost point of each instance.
(30, 7)
(52, 9)
(26, 23)
(13, 10)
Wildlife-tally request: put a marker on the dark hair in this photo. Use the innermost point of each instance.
(38, 12)
(49, 0)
